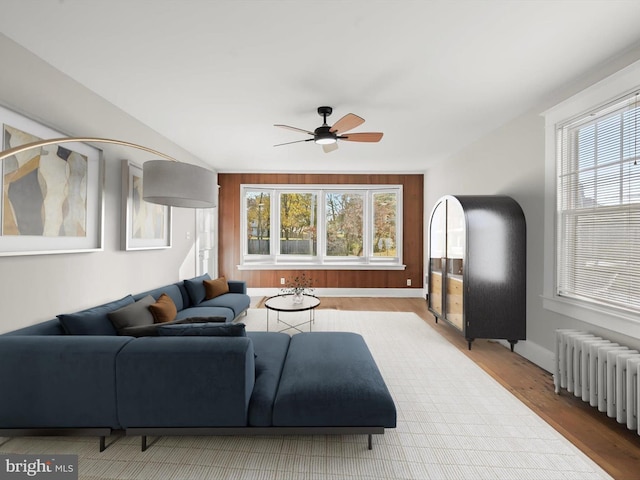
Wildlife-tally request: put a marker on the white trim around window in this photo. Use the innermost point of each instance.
(621, 84)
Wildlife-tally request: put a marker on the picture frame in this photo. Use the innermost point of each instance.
(52, 198)
(145, 225)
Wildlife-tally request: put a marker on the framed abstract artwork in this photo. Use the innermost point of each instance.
(52, 196)
(145, 225)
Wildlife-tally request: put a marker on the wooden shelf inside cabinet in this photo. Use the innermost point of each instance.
(435, 286)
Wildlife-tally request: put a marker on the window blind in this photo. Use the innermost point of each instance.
(598, 206)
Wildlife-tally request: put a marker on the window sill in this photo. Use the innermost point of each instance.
(610, 318)
(318, 266)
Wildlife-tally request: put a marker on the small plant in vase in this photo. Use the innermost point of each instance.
(297, 287)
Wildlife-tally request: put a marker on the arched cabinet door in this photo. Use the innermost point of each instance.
(437, 258)
(456, 241)
(477, 266)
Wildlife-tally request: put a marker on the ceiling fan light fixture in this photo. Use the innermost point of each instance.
(324, 136)
(325, 140)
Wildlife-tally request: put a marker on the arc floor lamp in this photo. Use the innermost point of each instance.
(165, 182)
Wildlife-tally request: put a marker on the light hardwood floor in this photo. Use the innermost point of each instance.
(611, 445)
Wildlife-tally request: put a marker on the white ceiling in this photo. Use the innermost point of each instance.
(215, 75)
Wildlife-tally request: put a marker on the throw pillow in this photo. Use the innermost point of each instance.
(134, 315)
(152, 330)
(202, 320)
(203, 329)
(93, 321)
(195, 288)
(141, 330)
(164, 310)
(215, 288)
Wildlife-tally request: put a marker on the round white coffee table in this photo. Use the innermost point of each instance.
(284, 303)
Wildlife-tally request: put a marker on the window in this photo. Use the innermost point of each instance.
(385, 211)
(598, 206)
(565, 213)
(298, 223)
(348, 225)
(345, 224)
(258, 221)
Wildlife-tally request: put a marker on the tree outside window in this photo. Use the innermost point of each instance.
(344, 224)
(258, 223)
(298, 223)
(384, 224)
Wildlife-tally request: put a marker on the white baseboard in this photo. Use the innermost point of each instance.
(348, 292)
(534, 353)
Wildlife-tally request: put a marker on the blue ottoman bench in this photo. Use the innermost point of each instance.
(330, 379)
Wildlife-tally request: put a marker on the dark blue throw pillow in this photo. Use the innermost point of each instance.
(195, 288)
(203, 329)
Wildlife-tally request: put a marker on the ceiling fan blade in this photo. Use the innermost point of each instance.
(330, 147)
(295, 129)
(362, 137)
(347, 122)
(297, 141)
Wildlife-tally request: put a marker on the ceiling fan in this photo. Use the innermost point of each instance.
(328, 136)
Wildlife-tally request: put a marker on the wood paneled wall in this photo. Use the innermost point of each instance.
(413, 218)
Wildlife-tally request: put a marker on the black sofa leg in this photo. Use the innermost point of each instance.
(370, 442)
(144, 443)
(103, 444)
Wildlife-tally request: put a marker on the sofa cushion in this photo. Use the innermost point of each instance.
(185, 382)
(134, 315)
(141, 330)
(192, 312)
(152, 330)
(203, 329)
(271, 350)
(48, 327)
(238, 302)
(330, 379)
(195, 288)
(215, 288)
(207, 319)
(163, 310)
(93, 321)
(60, 381)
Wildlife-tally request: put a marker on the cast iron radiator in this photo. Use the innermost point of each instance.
(601, 372)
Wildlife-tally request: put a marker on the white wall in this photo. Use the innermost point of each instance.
(511, 161)
(36, 288)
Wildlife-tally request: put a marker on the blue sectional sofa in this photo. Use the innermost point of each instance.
(188, 296)
(187, 377)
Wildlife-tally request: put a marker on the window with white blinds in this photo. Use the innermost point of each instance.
(598, 206)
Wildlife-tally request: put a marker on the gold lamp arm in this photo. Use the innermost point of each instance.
(52, 141)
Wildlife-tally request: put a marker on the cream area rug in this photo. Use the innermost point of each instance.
(454, 422)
